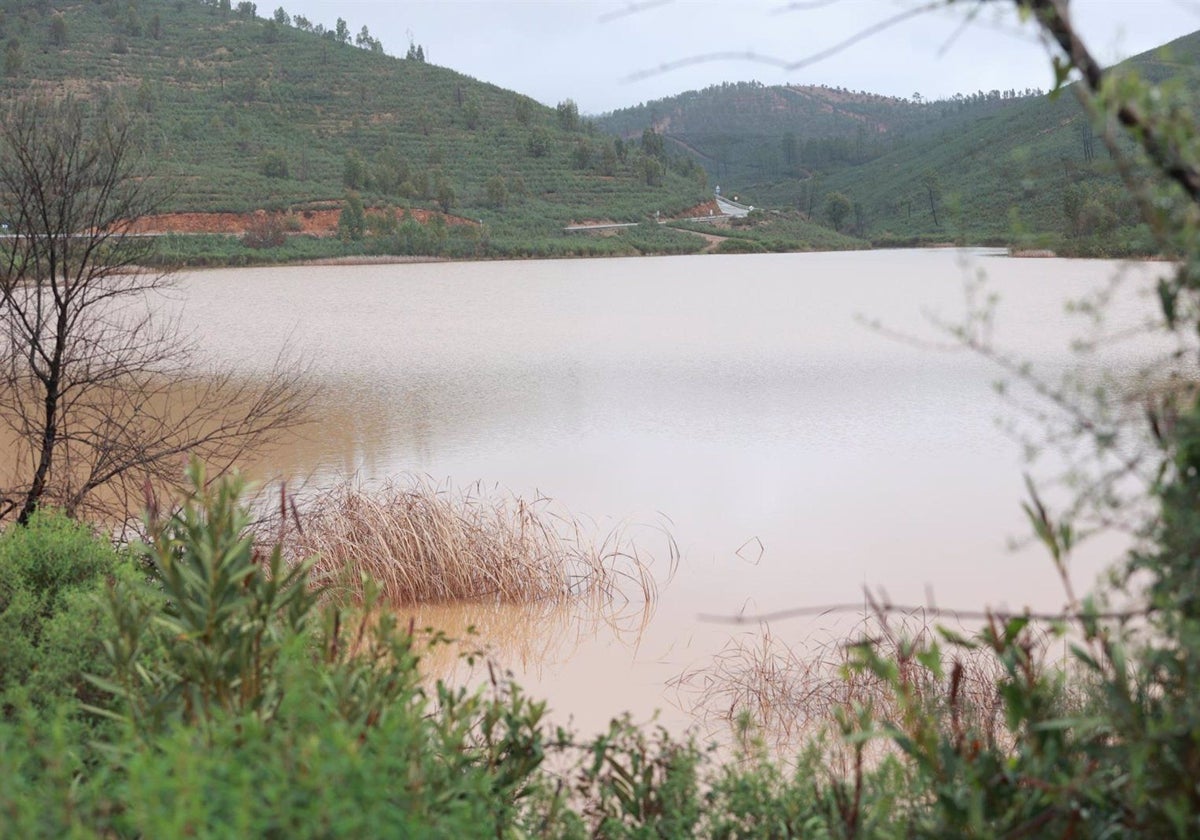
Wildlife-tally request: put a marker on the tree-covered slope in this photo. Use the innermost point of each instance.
(250, 113)
(1037, 172)
(747, 131)
(1007, 166)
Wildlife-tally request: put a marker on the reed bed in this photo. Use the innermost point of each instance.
(791, 693)
(421, 543)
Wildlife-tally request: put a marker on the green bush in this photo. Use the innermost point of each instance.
(53, 573)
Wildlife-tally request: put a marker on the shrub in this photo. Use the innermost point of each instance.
(274, 164)
(264, 230)
(52, 574)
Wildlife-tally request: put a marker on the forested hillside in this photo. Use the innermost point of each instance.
(1016, 167)
(747, 131)
(249, 113)
(1037, 173)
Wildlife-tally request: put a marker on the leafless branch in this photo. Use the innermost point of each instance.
(909, 609)
(99, 389)
(784, 64)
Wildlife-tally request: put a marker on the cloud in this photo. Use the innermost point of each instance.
(583, 50)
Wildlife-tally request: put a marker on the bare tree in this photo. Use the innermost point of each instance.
(98, 389)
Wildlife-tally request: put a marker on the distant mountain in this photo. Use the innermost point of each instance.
(1035, 172)
(250, 113)
(1005, 166)
(745, 131)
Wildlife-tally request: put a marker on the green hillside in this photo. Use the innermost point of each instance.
(1035, 174)
(1001, 166)
(744, 132)
(248, 113)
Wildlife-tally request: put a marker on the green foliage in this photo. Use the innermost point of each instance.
(568, 115)
(354, 171)
(497, 191)
(14, 59)
(227, 615)
(58, 30)
(652, 171)
(641, 786)
(274, 164)
(837, 209)
(52, 574)
(352, 220)
(538, 143)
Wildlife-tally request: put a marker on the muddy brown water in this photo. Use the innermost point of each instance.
(739, 403)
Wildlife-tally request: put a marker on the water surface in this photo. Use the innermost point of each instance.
(795, 454)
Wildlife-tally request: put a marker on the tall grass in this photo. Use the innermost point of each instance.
(422, 543)
(790, 693)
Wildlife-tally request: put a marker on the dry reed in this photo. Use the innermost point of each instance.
(792, 693)
(422, 543)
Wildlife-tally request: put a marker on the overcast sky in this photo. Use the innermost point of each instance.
(591, 50)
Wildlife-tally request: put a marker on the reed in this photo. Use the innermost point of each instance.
(791, 693)
(421, 543)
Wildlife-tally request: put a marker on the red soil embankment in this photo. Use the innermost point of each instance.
(322, 222)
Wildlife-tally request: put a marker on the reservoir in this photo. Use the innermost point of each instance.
(798, 427)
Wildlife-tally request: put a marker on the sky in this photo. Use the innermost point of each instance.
(609, 54)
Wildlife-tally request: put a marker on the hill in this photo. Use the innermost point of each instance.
(747, 131)
(1036, 173)
(1002, 166)
(280, 114)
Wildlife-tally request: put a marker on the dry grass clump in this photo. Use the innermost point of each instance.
(791, 693)
(422, 543)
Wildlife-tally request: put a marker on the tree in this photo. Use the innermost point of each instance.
(341, 32)
(791, 152)
(364, 41)
(608, 159)
(264, 230)
(496, 191)
(352, 221)
(538, 144)
(652, 143)
(652, 171)
(837, 208)
(523, 109)
(354, 171)
(100, 392)
(13, 58)
(471, 112)
(933, 190)
(443, 192)
(568, 115)
(282, 17)
(274, 164)
(58, 29)
(581, 155)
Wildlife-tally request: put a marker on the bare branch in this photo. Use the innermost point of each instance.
(909, 609)
(99, 388)
(783, 64)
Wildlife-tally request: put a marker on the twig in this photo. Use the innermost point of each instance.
(905, 609)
